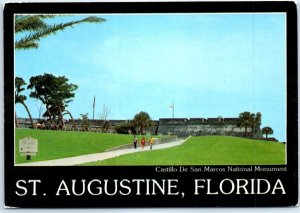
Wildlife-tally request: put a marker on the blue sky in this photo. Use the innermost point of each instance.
(209, 65)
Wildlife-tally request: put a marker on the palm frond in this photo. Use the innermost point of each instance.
(26, 45)
(31, 41)
(30, 23)
(19, 18)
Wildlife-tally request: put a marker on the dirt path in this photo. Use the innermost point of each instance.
(71, 161)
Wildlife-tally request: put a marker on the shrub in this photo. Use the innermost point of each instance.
(124, 128)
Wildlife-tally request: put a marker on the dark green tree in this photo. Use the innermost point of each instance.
(124, 128)
(32, 28)
(142, 120)
(267, 131)
(19, 98)
(246, 119)
(54, 92)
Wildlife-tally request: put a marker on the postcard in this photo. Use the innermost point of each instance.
(151, 104)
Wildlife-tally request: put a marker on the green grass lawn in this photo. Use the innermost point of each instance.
(60, 144)
(202, 150)
(207, 150)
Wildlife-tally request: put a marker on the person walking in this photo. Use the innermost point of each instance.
(135, 140)
(151, 142)
(143, 142)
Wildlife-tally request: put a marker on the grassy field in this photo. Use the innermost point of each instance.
(207, 150)
(60, 144)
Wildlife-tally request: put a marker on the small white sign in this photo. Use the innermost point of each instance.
(28, 145)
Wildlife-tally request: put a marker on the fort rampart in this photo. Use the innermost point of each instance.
(200, 126)
(182, 127)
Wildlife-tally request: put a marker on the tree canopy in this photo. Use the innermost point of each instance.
(19, 87)
(267, 131)
(142, 120)
(34, 27)
(19, 98)
(54, 92)
(246, 119)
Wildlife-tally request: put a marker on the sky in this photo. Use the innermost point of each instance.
(208, 65)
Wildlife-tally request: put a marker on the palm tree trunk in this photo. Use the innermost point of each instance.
(246, 128)
(16, 120)
(142, 129)
(61, 118)
(31, 121)
(74, 124)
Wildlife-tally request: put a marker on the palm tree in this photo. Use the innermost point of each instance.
(19, 83)
(246, 119)
(142, 120)
(34, 28)
(267, 131)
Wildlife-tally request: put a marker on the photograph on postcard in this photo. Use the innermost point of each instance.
(151, 104)
(150, 89)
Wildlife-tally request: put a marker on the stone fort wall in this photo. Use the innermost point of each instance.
(187, 128)
(182, 127)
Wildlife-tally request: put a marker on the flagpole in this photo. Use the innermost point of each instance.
(172, 106)
(94, 108)
(173, 109)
